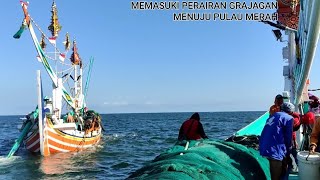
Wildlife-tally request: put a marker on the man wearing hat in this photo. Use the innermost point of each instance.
(276, 140)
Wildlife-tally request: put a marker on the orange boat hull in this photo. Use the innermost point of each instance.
(58, 141)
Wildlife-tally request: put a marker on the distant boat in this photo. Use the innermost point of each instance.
(45, 130)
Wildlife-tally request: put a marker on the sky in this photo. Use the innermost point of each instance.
(145, 62)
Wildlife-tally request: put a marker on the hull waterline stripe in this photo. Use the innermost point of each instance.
(35, 147)
(71, 137)
(68, 144)
(37, 150)
(33, 144)
(32, 139)
(57, 149)
(71, 140)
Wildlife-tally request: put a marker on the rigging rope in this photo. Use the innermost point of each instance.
(46, 37)
(51, 58)
(66, 80)
(60, 72)
(44, 34)
(313, 89)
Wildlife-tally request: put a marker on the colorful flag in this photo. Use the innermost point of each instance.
(52, 40)
(62, 57)
(42, 42)
(22, 28)
(24, 3)
(39, 59)
(67, 43)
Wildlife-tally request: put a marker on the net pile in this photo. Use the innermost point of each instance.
(206, 159)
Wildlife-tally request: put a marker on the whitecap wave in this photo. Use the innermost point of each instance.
(8, 162)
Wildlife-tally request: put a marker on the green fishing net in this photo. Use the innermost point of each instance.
(206, 159)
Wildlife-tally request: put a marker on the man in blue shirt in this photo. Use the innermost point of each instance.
(276, 141)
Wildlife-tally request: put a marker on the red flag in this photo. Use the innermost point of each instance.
(62, 56)
(24, 3)
(52, 40)
(39, 59)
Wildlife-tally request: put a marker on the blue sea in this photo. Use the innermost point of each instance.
(130, 141)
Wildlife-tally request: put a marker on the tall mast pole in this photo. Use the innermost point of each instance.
(55, 27)
(76, 61)
(75, 81)
(288, 85)
(75, 69)
(80, 81)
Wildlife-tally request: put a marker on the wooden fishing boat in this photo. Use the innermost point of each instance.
(46, 130)
(59, 140)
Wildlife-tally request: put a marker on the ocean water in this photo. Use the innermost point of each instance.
(130, 141)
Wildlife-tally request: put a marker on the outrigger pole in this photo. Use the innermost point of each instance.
(18, 142)
(88, 77)
(26, 128)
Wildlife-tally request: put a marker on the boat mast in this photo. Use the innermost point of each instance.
(42, 55)
(80, 82)
(76, 61)
(289, 85)
(55, 28)
(75, 73)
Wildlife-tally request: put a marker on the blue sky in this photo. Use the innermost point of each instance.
(145, 62)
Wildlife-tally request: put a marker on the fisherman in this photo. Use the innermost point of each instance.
(276, 141)
(84, 110)
(192, 129)
(308, 121)
(278, 101)
(314, 103)
(70, 117)
(47, 102)
(296, 126)
(314, 138)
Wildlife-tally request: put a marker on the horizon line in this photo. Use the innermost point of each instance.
(158, 112)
